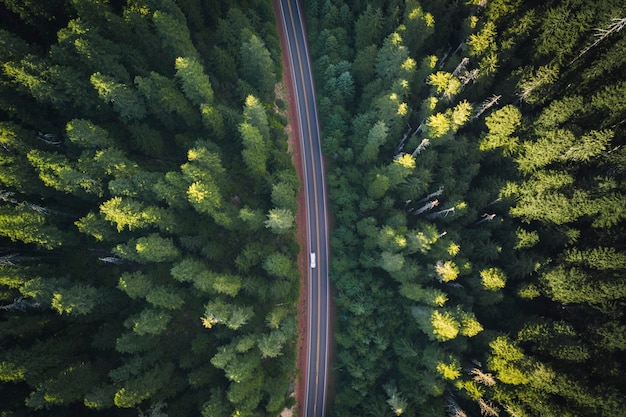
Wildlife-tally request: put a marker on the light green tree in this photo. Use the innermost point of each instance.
(124, 98)
(493, 279)
(164, 99)
(279, 265)
(151, 248)
(255, 114)
(28, 227)
(174, 33)
(76, 300)
(376, 137)
(279, 220)
(150, 321)
(87, 135)
(254, 149)
(501, 125)
(194, 81)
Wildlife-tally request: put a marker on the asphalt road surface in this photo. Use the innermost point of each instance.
(317, 356)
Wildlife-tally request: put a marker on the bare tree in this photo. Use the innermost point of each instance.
(111, 260)
(483, 378)
(452, 407)
(48, 139)
(20, 304)
(460, 67)
(488, 409)
(468, 76)
(486, 105)
(8, 197)
(444, 58)
(486, 218)
(431, 195)
(615, 25)
(429, 206)
(155, 411)
(458, 48)
(402, 142)
(6, 259)
(441, 213)
(419, 128)
(423, 145)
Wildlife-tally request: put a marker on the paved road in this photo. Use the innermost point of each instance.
(315, 389)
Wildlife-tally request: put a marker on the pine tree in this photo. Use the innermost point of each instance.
(171, 26)
(151, 248)
(279, 220)
(368, 28)
(164, 99)
(257, 66)
(254, 149)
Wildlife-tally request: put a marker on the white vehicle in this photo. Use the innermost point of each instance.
(313, 263)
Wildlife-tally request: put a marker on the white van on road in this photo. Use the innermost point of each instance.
(313, 262)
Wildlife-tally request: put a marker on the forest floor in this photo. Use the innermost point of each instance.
(285, 92)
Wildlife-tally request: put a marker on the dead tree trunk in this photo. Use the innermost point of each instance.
(441, 213)
(20, 304)
(460, 67)
(423, 145)
(402, 142)
(486, 218)
(426, 207)
(486, 105)
(431, 195)
(615, 26)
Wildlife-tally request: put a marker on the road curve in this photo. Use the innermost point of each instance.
(315, 194)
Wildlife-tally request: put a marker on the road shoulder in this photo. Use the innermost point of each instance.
(301, 220)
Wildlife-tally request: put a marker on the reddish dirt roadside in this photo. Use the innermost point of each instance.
(295, 148)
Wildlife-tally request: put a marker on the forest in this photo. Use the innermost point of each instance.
(147, 200)
(476, 166)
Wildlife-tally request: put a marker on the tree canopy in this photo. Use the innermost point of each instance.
(141, 154)
(476, 178)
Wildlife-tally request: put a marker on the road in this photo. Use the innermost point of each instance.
(315, 192)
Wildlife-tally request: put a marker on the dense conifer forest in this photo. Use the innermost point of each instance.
(147, 200)
(476, 167)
